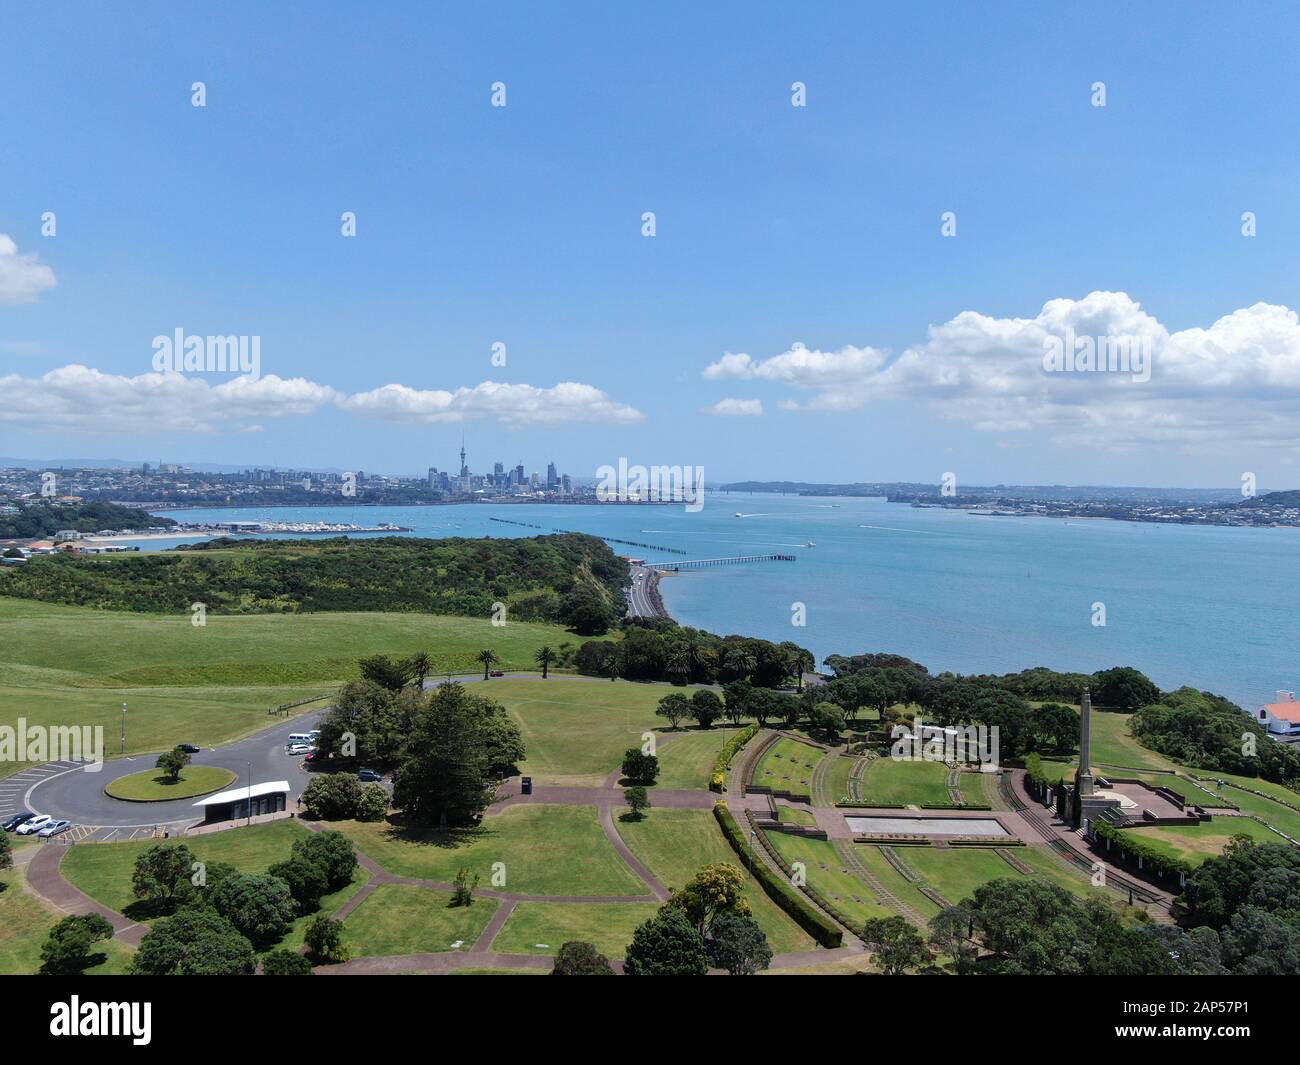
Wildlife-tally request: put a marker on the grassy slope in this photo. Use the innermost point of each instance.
(687, 762)
(400, 919)
(542, 927)
(788, 766)
(894, 782)
(824, 871)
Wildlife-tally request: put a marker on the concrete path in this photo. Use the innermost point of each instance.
(46, 879)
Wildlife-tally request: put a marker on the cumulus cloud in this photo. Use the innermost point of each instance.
(1238, 378)
(736, 407)
(22, 277)
(510, 404)
(81, 399)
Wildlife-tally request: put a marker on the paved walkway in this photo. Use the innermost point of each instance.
(46, 879)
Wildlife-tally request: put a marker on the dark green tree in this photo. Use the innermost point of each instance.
(1123, 688)
(259, 905)
(666, 945)
(576, 958)
(639, 767)
(162, 873)
(171, 763)
(706, 708)
(333, 852)
(307, 882)
(637, 801)
(737, 944)
(283, 962)
(446, 780)
(196, 942)
(323, 939)
(66, 949)
(896, 943)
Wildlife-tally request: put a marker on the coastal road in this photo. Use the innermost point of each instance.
(639, 604)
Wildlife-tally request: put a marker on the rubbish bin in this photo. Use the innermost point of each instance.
(525, 785)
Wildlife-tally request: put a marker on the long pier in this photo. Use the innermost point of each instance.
(701, 563)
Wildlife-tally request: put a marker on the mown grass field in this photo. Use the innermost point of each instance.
(896, 782)
(25, 921)
(401, 919)
(1196, 843)
(687, 761)
(544, 850)
(675, 844)
(64, 665)
(152, 785)
(575, 731)
(543, 927)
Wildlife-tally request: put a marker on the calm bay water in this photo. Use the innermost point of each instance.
(1214, 608)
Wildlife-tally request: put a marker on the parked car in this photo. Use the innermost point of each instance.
(189, 748)
(298, 748)
(54, 828)
(35, 824)
(314, 756)
(498, 673)
(368, 776)
(12, 822)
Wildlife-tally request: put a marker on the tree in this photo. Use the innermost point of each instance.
(163, 872)
(706, 708)
(675, 707)
(1055, 728)
(462, 892)
(372, 805)
(716, 889)
(576, 958)
(586, 611)
(446, 779)
(828, 719)
(677, 665)
(171, 763)
(951, 932)
(66, 949)
(489, 659)
(324, 940)
(737, 943)
(897, 945)
(333, 852)
(544, 657)
(259, 905)
(285, 963)
(195, 942)
(637, 800)
(307, 882)
(382, 670)
(1124, 688)
(639, 767)
(666, 945)
(614, 667)
(331, 797)
(6, 853)
(418, 668)
(502, 740)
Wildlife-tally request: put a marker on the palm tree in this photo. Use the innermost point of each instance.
(420, 665)
(489, 659)
(803, 662)
(544, 657)
(613, 667)
(678, 665)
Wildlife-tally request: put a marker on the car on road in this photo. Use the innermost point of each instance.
(314, 756)
(189, 748)
(34, 824)
(54, 828)
(12, 822)
(369, 776)
(298, 748)
(497, 673)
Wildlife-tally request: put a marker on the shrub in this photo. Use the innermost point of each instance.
(285, 963)
(718, 781)
(324, 940)
(333, 852)
(576, 958)
(373, 803)
(331, 798)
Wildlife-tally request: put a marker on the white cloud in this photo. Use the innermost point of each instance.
(22, 278)
(735, 407)
(81, 399)
(510, 404)
(1237, 379)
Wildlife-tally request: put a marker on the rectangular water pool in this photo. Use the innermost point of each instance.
(927, 826)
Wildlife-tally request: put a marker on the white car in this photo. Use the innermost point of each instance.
(299, 748)
(54, 828)
(34, 825)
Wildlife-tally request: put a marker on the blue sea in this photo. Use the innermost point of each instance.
(1214, 608)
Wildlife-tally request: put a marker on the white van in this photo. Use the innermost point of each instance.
(304, 738)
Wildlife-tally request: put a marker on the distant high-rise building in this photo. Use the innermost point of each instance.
(464, 470)
(552, 478)
(519, 474)
(566, 485)
(433, 476)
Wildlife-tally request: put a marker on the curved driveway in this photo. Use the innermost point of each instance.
(78, 795)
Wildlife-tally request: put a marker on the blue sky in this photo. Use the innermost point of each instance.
(775, 225)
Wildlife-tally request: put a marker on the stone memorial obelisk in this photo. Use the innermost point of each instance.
(1085, 738)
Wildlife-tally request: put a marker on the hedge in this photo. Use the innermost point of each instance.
(718, 781)
(1133, 848)
(780, 891)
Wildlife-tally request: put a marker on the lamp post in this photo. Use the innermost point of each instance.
(123, 733)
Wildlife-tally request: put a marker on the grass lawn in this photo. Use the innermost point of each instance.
(825, 873)
(1196, 843)
(791, 816)
(545, 850)
(675, 844)
(152, 785)
(401, 919)
(837, 780)
(542, 927)
(25, 921)
(209, 685)
(956, 872)
(103, 870)
(787, 766)
(329, 905)
(575, 732)
(687, 761)
(896, 782)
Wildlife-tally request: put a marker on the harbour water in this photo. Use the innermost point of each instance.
(1214, 608)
